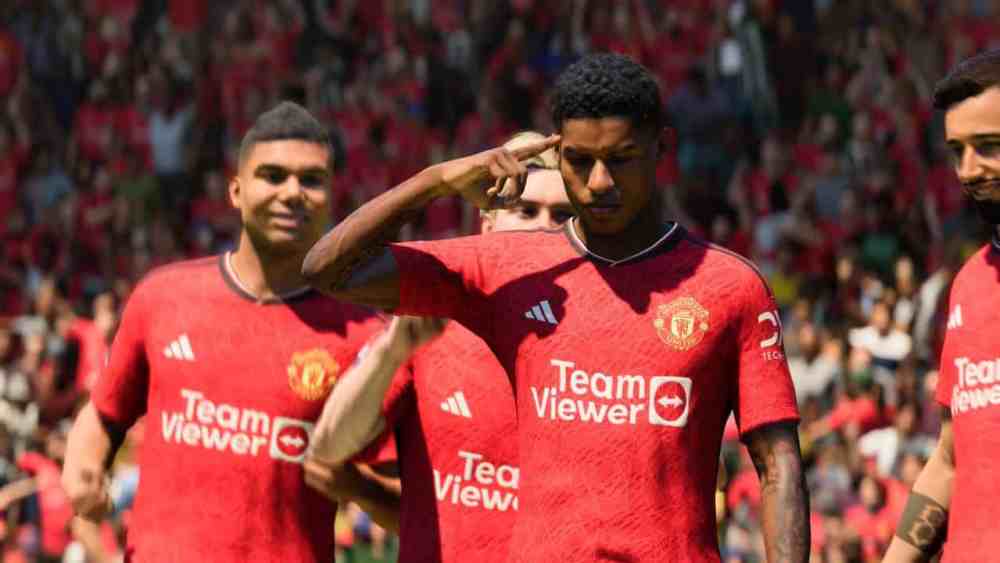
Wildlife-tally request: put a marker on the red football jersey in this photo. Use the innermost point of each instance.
(230, 389)
(969, 385)
(624, 373)
(453, 413)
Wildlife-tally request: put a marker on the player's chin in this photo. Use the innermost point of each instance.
(290, 240)
(606, 221)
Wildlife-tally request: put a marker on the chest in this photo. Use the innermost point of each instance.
(246, 356)
(625, 350)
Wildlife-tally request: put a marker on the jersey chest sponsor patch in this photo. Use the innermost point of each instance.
(201, 423)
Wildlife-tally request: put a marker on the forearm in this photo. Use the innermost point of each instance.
(784, 496)
(352, 415)
(922, 527)
(379, 497)
(90, 444)
(363, 234)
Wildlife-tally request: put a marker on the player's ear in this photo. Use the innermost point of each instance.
(486, 221)
(234, 192)
(665, 142)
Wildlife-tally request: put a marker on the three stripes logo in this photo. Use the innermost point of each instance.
(179, 349)
(542, 312)
(456, 405)
(955, 318)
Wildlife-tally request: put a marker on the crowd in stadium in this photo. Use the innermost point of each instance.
(805, 140)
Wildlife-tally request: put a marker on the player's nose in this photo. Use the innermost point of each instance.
(600, 180)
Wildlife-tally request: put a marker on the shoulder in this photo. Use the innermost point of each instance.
(717, 261)
(982, 268)
(177, 277)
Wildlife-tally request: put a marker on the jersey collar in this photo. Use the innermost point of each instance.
(226, 268)
(674, 233)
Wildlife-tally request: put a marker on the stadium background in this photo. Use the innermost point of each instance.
(805, 141)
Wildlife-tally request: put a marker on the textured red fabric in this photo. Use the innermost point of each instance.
(970, 385)
(454, 416)
(623, 385)
(229, 389)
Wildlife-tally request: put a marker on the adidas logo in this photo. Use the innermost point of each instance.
(179, 349)
(456, 405)
(955, 318)
(542, 312)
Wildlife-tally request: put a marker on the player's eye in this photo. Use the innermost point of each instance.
(311, 180)
(274, 176)
(616, 161)
(528, 212)
(955, 154)
(988, 149)
(562, 216)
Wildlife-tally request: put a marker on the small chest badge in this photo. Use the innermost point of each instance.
(312, 373)
(682, 323)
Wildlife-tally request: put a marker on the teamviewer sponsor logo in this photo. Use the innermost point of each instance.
(481, 484)
(290, 439)
(977, 385)
(203, 423)
(599, 398)
(668, 400)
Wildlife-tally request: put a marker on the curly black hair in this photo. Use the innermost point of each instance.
(607, 85)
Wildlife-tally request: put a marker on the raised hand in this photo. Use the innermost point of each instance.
(482, 178)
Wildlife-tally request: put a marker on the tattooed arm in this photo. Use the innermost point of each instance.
(785, 500)
(922, 528)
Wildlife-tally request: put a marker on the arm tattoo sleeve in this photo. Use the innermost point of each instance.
(924, 523)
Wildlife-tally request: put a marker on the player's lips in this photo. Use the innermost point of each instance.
(288, 220)
(604, 209)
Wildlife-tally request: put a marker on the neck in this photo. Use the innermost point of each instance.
(266, 276)
(646, 229)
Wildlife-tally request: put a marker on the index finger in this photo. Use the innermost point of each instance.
(535, 148)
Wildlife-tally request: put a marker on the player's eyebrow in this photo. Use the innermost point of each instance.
(266, 168)
(979, 137)
(623, 149)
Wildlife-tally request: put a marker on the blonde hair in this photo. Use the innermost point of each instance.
(546, 160)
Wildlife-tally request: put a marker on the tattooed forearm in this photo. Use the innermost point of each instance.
(924, 523)
(785, 498)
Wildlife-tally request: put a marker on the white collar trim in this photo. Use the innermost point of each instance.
(278, 297)
(576, 238)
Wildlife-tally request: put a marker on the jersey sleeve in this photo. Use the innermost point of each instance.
(445, 278)
(122, 388)
(764, 390)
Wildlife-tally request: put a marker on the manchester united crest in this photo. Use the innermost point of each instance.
(312, 373)
(682, 323)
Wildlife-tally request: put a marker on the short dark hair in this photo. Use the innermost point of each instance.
(969, 78)
(607, 85)
(286, 121)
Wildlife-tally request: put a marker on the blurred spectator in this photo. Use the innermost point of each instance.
(805, 141)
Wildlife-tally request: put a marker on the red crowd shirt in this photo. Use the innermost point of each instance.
(230, 389)
(56, 510)
(454, 417)
(624, 375)
(969, 385)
